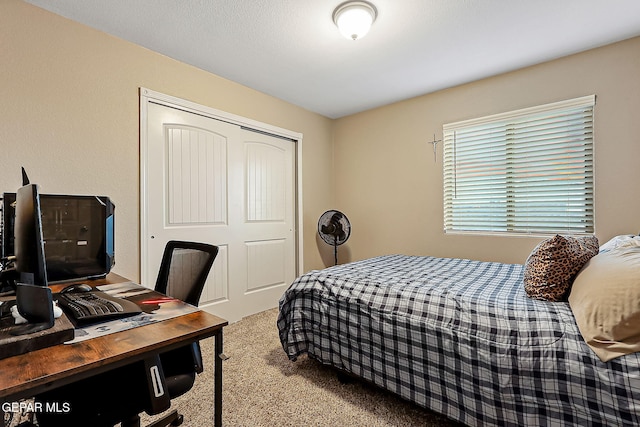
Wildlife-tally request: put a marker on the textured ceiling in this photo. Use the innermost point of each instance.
(291, 49)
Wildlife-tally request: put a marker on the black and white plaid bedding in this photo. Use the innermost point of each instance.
(459, 337)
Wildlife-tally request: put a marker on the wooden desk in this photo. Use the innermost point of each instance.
(26, 375)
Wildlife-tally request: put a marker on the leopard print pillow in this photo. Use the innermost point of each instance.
(551, 267)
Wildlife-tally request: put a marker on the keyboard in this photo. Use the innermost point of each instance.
(95, 306)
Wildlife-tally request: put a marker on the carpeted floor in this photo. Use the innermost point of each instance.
(261, 387)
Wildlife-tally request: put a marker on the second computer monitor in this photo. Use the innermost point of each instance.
(28, 241)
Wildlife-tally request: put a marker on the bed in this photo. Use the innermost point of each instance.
(459, 337)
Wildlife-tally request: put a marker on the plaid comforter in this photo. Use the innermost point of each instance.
(459, 337)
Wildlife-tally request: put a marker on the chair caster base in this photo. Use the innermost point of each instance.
(178, 421)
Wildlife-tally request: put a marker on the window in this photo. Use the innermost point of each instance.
(527, 172)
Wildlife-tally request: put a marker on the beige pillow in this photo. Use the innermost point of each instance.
(553, 264)
(605, 299)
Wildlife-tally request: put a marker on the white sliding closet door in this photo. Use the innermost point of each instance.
(216, 182)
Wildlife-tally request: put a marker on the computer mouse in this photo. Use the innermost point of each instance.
(77, 287)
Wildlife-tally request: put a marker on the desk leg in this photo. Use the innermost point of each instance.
(217, 391)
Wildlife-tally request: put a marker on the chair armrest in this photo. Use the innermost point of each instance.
(159, 400)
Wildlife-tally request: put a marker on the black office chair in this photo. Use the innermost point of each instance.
(183, 273)
(121, 395)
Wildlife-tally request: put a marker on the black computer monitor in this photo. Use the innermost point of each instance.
(28, 241)
(33, 296)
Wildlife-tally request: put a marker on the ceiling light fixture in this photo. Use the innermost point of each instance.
(354, 18)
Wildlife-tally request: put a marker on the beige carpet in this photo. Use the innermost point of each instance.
(261, 387)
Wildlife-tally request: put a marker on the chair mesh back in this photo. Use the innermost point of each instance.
(184, 270)
(186, 266)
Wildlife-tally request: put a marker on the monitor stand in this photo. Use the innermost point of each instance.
(35, 303)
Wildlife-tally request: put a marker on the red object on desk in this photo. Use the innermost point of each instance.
(158, 300)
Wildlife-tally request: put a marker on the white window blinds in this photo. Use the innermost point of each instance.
(528, 171)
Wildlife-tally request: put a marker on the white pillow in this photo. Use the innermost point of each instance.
(605, 300)
(625, 240)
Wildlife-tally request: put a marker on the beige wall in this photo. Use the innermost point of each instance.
(389, 186)
(69, 114)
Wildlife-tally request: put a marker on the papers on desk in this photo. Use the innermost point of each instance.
(154, 310)
(124, 289)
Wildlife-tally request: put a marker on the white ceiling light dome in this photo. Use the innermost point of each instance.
(354, 18)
